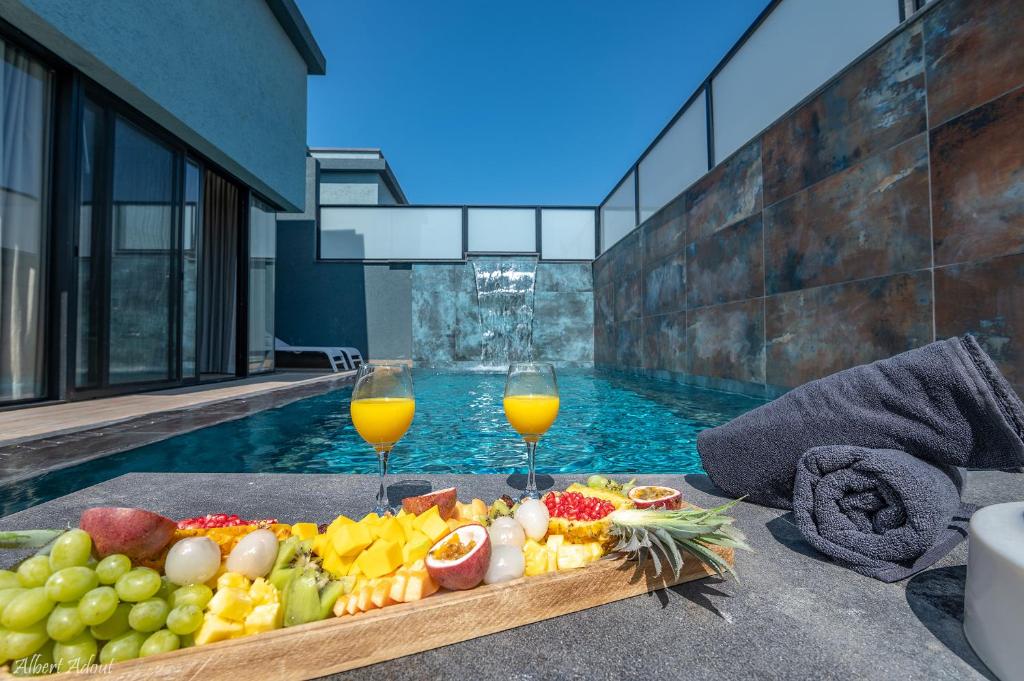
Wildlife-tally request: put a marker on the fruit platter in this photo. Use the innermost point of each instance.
(131, 594)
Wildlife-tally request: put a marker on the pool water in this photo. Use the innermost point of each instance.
(606, 423)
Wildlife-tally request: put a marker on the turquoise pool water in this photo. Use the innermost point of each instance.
(606, 423)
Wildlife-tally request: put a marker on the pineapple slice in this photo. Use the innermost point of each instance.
(572, 556)
(262, 618)
(215, 628)
(230, 604)
(233, 580)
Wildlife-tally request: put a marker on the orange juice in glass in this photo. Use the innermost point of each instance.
(383, 407)
(531, 406)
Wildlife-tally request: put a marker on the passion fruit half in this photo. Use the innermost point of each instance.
(459, 560)
(656, 496)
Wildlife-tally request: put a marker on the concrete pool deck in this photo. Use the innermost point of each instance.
(39, 439)
(794, 615)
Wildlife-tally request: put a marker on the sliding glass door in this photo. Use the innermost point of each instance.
(129, 255)
(24, 152)
(262, 259)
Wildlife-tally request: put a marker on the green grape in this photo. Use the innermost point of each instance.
(184, 619)
(70, 584)
(9, 580)
(64, 623)
(24, 642)
(166, 589)
(188, 640)
(112, 567)
(193, 594)
(27, 608)
(37, 664)
(149, 615)
(73, 548)
(161, 641)
(113, 626)
(124, 647)
(138, 584)
(34, 572)
(76, 653)
(97, 605)
(8, 595)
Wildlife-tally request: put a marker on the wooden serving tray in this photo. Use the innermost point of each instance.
(349, 642)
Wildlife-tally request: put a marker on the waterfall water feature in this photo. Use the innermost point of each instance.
(504, 294)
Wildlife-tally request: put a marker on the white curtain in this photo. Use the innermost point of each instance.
(24, 107)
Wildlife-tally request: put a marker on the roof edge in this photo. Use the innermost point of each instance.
(294, 24)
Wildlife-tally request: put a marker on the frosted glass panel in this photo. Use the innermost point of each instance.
(618, 214)
(391, 233)
(502, 230)
(679, 158)
(796, 49)
(567, 234)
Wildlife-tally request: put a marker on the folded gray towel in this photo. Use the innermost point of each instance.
(945, 403)
(880, 512)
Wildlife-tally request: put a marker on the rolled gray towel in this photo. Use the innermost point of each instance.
(945, 403)
(880, 512)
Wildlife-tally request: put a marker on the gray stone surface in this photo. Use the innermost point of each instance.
(794, 615)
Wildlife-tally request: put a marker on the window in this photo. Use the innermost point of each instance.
(143, 259)
(190, 270)
(262, 256)
(24, 152)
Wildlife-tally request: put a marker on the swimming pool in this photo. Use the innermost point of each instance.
(607, 423)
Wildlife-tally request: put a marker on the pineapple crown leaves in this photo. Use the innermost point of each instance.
(666, 535)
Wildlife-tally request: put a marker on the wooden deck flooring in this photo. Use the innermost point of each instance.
(32, 423)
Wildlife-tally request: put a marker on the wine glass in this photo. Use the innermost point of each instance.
(531, 405)
(382, 409)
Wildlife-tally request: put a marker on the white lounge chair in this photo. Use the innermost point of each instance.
(312, 357)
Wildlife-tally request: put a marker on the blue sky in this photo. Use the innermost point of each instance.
(524, 102)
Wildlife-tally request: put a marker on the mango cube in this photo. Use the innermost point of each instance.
(406, 520)
(391, 529)
(370, 519)
(340, 521)
(351, 539)
(322, 544)
(337, 565)
(382, 558)
(305, 530)
(231, 604)
(216, 628)
(262, 618)
(431, 524)
(416, 547)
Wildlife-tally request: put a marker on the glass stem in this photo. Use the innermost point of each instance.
(531, 477)
(382, 469)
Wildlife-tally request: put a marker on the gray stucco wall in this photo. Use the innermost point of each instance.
(223, 76)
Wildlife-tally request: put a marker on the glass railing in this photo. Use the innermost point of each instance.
(446, 233)
(793, 48)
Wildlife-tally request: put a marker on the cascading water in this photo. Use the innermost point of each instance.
(504, 295)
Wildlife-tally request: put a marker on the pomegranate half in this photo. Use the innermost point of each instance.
(459, 560)
(656, 496)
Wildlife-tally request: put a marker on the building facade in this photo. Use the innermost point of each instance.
(146, 149)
